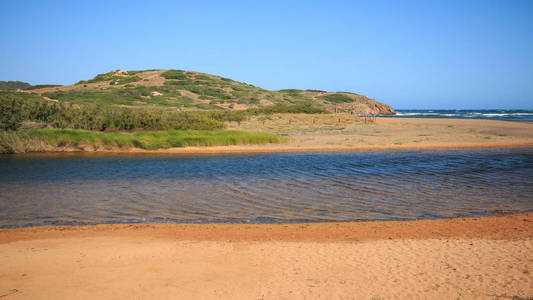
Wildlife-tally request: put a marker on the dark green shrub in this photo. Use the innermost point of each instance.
(337, 98)
(13, 85)
(202, 77)
(174, 74)
(40, 86)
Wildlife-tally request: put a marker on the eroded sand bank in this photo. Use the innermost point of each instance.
(471, 258)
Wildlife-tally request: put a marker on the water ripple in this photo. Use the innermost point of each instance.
(297, 187)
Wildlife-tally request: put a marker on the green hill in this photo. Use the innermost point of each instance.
(13, 85)
(187, 90)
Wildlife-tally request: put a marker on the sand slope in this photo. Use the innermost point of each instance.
(422, 259)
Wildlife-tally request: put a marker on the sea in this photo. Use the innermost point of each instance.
(522, 115)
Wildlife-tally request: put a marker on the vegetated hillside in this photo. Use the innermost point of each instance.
(187, 90)
(13, 85)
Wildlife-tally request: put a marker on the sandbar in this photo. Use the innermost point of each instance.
(342, 132)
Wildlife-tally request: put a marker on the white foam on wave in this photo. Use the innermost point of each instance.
(417, 114)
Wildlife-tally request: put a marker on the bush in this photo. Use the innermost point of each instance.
(174, 74)
(114, 79)
(18, 107)
(202, 77)
(337, 98)
(41, 86)
(123, 80)
(13, 110)
(13, 85)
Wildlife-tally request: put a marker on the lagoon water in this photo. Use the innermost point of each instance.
(263, 188)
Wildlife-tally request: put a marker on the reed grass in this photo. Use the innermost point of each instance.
(66, 139)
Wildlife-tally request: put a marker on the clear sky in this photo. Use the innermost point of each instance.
(409, 54)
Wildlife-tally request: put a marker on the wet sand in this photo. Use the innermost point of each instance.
(465, 258)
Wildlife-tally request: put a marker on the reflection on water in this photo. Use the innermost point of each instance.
(271, 188)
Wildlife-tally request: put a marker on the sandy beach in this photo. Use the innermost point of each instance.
(459, 258)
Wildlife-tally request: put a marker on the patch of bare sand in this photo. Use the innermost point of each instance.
(341, 131)
(466, 258)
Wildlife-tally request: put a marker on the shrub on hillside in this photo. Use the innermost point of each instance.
(337, 98)
(174, 74)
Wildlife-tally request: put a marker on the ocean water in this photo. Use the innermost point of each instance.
(493, 114)
(62, 189)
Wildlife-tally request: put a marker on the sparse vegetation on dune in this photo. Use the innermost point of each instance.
(337, 98)
(13, 85)
(41, 86)
(187, 90)
(174, 74)
(114, 78)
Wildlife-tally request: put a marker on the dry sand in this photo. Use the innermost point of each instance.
(342, 132)
(461, 258)
(345, 132)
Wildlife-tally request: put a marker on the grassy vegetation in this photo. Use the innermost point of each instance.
(41, 86)
(113, 78)
(179, 109)
(190, 91)
(187, 90)
(13, 85)
(140, 71)
(124, 80)
(286, 109)
(99, 78)
(174, 74)
(16, 108)
(46, 139)
(337, 98)
(134, 96)
(295, 92)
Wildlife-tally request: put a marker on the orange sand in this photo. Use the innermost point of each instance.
(465, 258)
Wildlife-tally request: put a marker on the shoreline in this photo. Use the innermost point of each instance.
(506, 226)
(256, 149)
(252, 149)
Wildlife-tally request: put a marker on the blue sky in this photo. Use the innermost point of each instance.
(410, 54)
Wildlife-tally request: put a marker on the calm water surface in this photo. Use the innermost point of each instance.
(265, 188)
